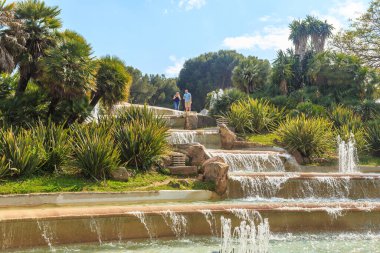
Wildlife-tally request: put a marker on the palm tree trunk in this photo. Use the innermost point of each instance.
(25, 75)
(52, 106)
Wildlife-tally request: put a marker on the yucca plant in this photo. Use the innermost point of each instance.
(5, 170)
(94, 152)
(311, 137)
(56, 143)
(254, 115)
(142, 137)
(22, 150)
(341, 116)
(373, 137)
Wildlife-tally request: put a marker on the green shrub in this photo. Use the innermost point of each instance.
(142, 137)
(309, 110)
(359, 133)
(342, 116)
(56, 143)
(224, 102)
(373, 136)
(254, 116)
(284, 102)
(311, 137)
(93, 151)
(22, 151)
(368, 110)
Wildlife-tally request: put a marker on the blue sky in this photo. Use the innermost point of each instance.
(157, 36)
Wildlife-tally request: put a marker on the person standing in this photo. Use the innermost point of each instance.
(176, 100)
(188, 100)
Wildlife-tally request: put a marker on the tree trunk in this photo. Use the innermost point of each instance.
(25, 75)
(283, 87)
(52, 106)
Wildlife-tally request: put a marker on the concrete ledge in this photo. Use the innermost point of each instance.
(78, 198)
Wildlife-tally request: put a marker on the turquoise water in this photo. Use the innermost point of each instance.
(279, 243)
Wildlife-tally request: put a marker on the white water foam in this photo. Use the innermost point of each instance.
(176, 222)
(251, 162)
(348, 155)
(246, 238)
(46, 233)
(141, 216)
(182, 137)
(210, 218)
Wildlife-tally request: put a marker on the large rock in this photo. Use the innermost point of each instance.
(191, 121)
(228, 138)
(206, 121)
(120, 174)
(196, 152)
(216, 172)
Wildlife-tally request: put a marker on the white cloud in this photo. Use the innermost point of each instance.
(264, 18)
(349, 9)
(341, 11)
(191, 4)
(173, 70)
(270, 38)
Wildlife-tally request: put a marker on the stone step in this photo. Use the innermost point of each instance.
(183, 170)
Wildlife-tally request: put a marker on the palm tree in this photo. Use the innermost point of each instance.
(112, 82)
(319, 32)
(282, 71)
(67, 69)
(41, 23)
(12, 37)
(299, 35)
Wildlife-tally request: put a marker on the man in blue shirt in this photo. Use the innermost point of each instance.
(188, 100)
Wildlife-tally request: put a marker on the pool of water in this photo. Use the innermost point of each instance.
(279, 243)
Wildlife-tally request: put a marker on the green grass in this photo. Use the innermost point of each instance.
(70, 183)
(264, 139)
(369, 160)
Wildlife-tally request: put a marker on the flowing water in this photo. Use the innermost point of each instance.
(262, 162)
(348, 157)
(182, 137)
(176, 222)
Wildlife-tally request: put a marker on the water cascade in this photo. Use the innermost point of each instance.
(95, 228)
(210, 218)
(251, 162)
(141, 216)
(176, 222)
(182, 137)
(46, 233)
(246, 238)
(348, 158)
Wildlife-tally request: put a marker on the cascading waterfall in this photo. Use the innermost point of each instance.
(46, 233)
(260, 186)
(141, 216)
(251, 162)
(182, 137)
(348, 157)
(246, 238)
(95, 228)
(210, 218)
(313, 187)
(176, 222)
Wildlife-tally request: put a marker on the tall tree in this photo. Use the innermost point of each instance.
(251, 74)
(113, 82)
(206, 73)
(12, 37)
(299, 35)
(319, 32)
(41, 22)
(282, 71)
(363, 37)
(66, 70)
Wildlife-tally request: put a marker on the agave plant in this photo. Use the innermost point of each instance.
(94, 152)
(311, 137)
(56, 143)
(373, 137)
(255, 116)
(342, 116)
(22, 150)
(142, 137)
